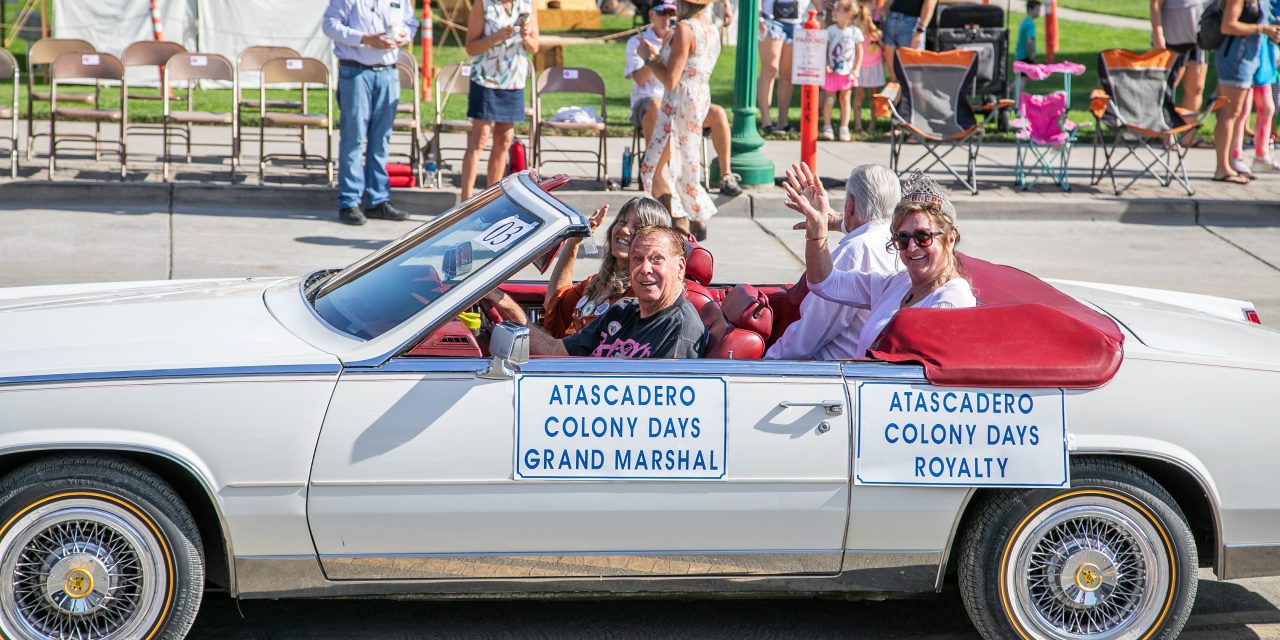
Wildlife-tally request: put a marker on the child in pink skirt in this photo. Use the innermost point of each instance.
(844, 58)
(871, 73)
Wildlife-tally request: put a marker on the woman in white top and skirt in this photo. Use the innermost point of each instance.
(923, 232)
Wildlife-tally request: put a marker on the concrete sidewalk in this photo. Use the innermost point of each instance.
(998, 198)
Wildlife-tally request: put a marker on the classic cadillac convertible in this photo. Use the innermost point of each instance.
(1071, 454)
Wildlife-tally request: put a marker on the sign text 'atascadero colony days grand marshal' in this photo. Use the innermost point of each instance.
(622, 427)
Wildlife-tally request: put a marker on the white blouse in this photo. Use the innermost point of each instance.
(883, 295)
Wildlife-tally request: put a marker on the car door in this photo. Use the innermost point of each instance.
(426, 469)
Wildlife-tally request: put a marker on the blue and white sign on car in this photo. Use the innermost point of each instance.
(620, 427)
(914, 434)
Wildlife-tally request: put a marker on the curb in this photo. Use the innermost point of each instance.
(752, 204)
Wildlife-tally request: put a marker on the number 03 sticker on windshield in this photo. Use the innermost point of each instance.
(503, 233)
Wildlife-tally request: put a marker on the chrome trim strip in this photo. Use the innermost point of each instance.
(694, 367)
(290, 370)
(232, 587)
(302, 576)
(1214, 504)
(951, 539)
(877, 370)
(580, 565)
(470, 366)
(266, 485)
(507, 482)
(1241, 561)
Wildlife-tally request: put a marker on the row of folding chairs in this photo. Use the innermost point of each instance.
(1135, 119)
(454, 80)
(65, 60)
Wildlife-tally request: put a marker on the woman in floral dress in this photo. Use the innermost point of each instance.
(684, 67)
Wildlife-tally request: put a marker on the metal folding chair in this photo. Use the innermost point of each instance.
(249, 65)
(1136, 105)
(148, 53)
(188, 68)
(452, 80)
(930, 106)
(9, 69)
(95, 66)
(1044, 136)
(407, 68)
(40, 55)
(304, 72)
(578, 80)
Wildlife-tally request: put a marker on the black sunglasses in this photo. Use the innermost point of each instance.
(901, 240)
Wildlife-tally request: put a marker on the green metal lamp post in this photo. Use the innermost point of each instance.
(748, 162)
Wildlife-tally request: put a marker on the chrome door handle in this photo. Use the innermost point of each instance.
(832, 407)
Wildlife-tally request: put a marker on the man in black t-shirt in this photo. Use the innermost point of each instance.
(658, 323)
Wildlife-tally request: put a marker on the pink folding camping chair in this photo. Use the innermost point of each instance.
(1044, 135)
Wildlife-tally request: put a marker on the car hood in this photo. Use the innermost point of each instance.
(1181, 329)
(144, 326)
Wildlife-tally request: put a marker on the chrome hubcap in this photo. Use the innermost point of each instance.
(1088, 568)
(82, 568)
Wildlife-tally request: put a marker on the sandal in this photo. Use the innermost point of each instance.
(1233, 178)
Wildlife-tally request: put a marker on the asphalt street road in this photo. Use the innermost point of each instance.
(96, 242)
(1224, 611)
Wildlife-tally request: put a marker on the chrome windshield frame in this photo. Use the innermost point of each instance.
(558, 222)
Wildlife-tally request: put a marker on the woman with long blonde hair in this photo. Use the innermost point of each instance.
(569, 307)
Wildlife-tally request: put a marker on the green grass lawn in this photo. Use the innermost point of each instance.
(1080, 42)
(1139, 9)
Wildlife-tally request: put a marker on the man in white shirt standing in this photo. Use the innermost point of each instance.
(647, 92)
(829, 330)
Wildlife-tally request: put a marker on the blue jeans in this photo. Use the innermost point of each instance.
(367, 100)
(899, 29)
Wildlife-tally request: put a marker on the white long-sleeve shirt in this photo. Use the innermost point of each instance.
(829, 330)
(883, 295)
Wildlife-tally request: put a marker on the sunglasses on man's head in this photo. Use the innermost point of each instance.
(901, 240)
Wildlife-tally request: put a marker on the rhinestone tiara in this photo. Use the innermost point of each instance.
(921, 189)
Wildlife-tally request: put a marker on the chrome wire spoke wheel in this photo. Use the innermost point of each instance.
(88, 568)
(1089, 568)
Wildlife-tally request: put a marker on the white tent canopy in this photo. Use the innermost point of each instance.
(209, 26)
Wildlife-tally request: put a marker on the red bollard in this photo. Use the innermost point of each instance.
(1050, 30)
(809, 65)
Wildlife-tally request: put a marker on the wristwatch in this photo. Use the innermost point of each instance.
(920, 29)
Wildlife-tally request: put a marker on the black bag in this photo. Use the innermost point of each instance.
(992, 47)
(958, 16)
(786, 10)
(1209, 37)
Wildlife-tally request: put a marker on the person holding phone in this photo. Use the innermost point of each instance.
(499, 35)
(367, 37)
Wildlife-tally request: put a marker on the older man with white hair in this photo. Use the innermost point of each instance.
(829, 330)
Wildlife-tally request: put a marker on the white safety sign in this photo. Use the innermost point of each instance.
(912, 434)
(809, 57)
(623, 428)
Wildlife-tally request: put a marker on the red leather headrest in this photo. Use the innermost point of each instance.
(699, 265)
(746, 307)
(697, 294)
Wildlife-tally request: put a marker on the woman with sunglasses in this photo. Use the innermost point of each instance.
(923, 234)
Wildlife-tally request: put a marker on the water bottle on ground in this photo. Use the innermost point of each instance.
(429, 179)
(626, 167)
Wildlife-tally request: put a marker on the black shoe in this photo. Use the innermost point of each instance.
(385, 211)
(351, 215)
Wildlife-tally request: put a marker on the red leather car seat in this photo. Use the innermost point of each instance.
(699, 265)
(740, 326)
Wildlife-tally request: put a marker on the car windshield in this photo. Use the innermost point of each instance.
(375, 295)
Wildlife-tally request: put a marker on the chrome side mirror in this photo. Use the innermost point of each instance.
(508, 348)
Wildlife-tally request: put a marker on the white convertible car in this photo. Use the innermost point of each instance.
(1071, 454)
